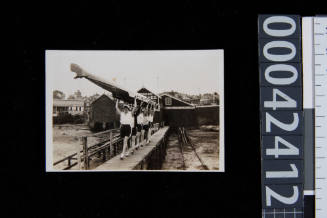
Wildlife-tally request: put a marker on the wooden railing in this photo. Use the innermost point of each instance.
(110, 146)
(108, 135)
(155, 158)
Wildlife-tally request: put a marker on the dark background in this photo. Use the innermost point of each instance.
(232, 26)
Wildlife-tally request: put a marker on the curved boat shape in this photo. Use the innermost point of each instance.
(116, 90)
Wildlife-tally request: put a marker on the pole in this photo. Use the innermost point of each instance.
(85, 153)
(79, 154)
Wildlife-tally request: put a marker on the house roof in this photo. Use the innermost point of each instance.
(148, 91)
(67, 103)
(176, 99)
(205, 99)
(106, 95)
(186, 98)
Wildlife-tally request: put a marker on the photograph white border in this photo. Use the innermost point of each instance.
(49, 110)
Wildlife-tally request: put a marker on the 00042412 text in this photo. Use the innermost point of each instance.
(281, 111)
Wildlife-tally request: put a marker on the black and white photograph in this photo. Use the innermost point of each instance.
(166, 109)
(135, 110)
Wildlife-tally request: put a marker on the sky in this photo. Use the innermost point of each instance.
(186, 71)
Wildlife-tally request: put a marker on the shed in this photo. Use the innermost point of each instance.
(171, 101)
(158, 115)
(102, 114)
(207, 115)
(178, 112)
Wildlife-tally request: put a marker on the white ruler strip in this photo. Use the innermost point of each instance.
(308, 67)
(308, 104)
(320, 63)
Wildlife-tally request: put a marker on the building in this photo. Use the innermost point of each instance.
(102, 111)
(207, 115)
(171, 101)
(180, 113)
(209, 99)
(206, 101)
(151, 95)
(186, 99)
(69, 106)
(216, 98)
(195, 100)
(158, 115)
(102, 114)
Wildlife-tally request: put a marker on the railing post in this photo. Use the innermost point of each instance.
(85, 153)
(79, 165)
(109, 151)
(111, 144)
(104, 155)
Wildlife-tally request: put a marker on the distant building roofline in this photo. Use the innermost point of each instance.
(67, 102)
(176, 98)
(143, 87)
(106, 95)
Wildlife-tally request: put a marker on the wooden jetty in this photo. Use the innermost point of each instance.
(148, 157)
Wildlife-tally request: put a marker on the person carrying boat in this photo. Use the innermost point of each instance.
(135, 112)
(125, 126)
(143, 120)
(139, 125)
(146, 125)
(150, 118)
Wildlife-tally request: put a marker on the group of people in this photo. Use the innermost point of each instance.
(136, 123)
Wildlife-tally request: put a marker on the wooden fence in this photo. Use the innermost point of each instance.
(108, 148)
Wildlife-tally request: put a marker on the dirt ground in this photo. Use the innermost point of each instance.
(206, 142)
(173, 160)
(66, 139)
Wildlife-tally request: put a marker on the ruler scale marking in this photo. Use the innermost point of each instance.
(320, 59)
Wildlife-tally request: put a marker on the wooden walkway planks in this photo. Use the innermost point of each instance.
(129, 163)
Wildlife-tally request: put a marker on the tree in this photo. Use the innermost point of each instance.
(58, 94)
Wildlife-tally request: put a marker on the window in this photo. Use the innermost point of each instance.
(168, 101)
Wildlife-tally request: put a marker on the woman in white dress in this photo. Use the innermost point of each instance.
(134, 139)
(139, 125)
(146, 125)
(125, 126)
(150, 118)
